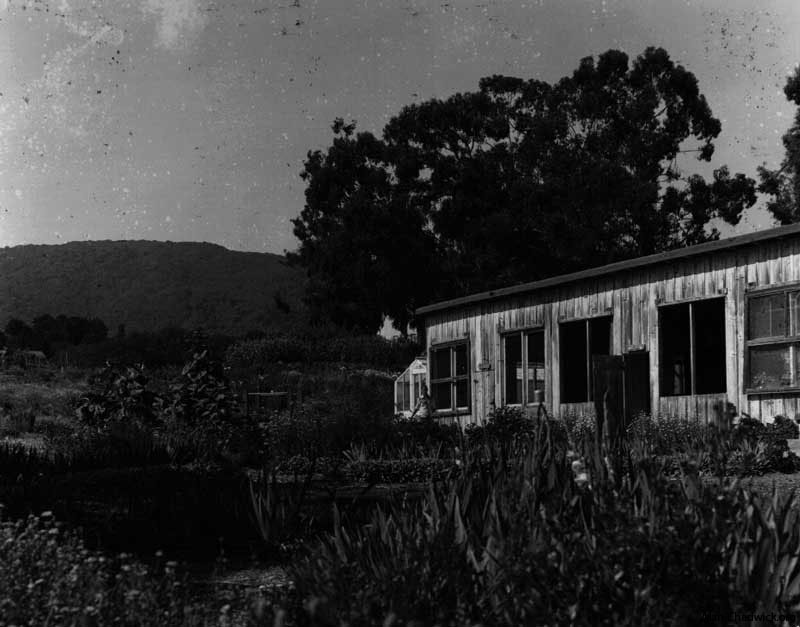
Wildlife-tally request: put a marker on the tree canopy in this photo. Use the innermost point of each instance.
(783, 185)
(516, 181)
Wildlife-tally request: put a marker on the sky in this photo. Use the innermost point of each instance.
(189, 120)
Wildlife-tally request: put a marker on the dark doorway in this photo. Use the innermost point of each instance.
(621, 385)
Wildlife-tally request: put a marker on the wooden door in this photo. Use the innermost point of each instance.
(608, 374)
(637, 384)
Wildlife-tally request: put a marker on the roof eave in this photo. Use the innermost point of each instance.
(619, 266)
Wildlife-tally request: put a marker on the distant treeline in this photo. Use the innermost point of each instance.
(83, 342)
(78, 341)
(46, 333)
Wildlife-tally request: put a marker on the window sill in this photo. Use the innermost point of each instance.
(783, 390)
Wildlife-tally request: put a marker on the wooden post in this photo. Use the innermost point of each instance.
(693, 376)
(588, 362)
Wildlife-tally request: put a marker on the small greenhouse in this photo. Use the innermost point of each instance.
(408, 386)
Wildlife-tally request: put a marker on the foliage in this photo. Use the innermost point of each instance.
(507, 424)
(783, 185)
(469, 193)
(46, 332)
(121, 397)
(262, 353)
(201, 416)
(415, 470)
(523, 541)
(580, 427)
(315, 432)
(47, 576)
(784, 428)
(668, 434)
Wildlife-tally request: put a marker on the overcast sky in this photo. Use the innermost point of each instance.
(190, 119)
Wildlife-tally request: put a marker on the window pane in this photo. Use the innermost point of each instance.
(513, 359)
(441, 364)
(676, 376)
(535, 370)
(767, 316)
(416, 388)
(401, 392)
(572, 352)
(462, 393)
(770, 367)
(440, 395)
(794, 313)
(709, 346)
(462, 363)
(600, 335)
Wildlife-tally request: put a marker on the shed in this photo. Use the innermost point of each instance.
(407, 386)
(692, 332)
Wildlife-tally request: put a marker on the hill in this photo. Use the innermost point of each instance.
(149, 285)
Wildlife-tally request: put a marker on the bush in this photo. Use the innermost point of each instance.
(665, 435)
(785, 429)
(119, 397)
(417, 470)
(506, 424)
(201, 417)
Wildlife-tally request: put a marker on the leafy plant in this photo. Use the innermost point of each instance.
(119, 397)
(201, 416)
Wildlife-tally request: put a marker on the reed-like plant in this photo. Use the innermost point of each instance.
(513, 536)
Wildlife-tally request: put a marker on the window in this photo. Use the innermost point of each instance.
(450, 377)
(692, 348)
(578, 342)
(408, 387)
(524, 366)
(773, 339)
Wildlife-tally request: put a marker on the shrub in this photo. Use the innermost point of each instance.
(580, 428)
(417, 470)
(506, 424)
(119, 397)
(665, 435)
(201, 415)
(784, 428)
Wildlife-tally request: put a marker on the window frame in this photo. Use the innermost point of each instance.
(453, 379)
(787, 340)
(587, 334)
(523, 334)
(690, 303)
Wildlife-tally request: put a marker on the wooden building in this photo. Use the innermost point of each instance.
(690, 332)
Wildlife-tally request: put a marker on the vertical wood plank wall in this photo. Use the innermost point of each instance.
(632, 297)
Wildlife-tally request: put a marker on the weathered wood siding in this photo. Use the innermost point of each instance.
(632, 297)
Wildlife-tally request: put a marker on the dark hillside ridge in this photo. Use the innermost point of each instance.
(148, 285)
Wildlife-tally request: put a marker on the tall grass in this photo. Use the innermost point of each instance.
(517, 535)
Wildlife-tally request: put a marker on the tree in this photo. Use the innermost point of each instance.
(517, 181)
(783, 184)
(365, 247)
(18, 334)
